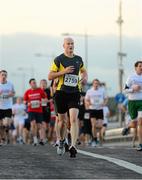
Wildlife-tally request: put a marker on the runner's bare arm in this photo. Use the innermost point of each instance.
(84, 76)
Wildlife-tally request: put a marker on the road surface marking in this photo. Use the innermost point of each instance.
(119, 162)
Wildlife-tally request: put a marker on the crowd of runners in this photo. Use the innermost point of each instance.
(62, 114)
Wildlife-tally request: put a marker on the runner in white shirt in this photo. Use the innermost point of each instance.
(96, 99)
(6, 94)
(19, 112)
(133, 88)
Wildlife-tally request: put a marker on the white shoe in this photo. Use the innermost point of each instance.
(21, 141)
(61, 148)
(35, 143)
(93, 144)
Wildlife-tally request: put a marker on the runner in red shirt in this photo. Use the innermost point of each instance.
(33, 98)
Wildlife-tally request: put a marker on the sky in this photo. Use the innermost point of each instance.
(58, 16)
(29, 26)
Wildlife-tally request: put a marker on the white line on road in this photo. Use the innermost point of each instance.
(119, 162)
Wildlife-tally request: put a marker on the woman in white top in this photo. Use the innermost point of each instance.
(19, 112)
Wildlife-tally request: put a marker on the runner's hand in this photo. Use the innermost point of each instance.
(69, 69)
(11, 94)
(136, 88)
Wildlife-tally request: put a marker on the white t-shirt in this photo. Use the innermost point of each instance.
(134, 79)
(19, 111)
(96, 97)
(6, 101)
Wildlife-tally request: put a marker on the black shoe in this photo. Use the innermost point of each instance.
(35, 144)
(73, 152)
(41, 143)
(78, 142)
(139, 148)
(66, 147)
(56, 144)
(125, 131)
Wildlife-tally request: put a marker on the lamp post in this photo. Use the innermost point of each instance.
(120, 56)
(85, 35)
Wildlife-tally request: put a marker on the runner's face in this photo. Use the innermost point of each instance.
(96, 84)
(139, 68)
(33, 84)
(3, 76)
(19, 100)
(69, 46)
(43, 84)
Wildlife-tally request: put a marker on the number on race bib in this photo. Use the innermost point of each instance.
(71, 80)
(35, 104)
(86, 115)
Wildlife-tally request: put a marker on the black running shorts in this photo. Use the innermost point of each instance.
(97, 114)
(5, 113)
(65, 101)
(38, 117)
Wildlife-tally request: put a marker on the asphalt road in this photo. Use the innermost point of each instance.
(113, 161)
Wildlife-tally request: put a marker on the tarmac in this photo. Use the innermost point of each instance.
(109, 161)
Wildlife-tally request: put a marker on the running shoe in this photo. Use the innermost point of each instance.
(139, 148)
(35, 143)
(21, 141)
(78, 142)
(56, 143)
(72, 151)
(125, 131)
(41, 143)
(66, 147)
(93, 143)
(61, 147)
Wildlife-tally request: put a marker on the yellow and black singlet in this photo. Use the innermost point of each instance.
(68, 82)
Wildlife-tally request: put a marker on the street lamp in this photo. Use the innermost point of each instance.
(85, 35)
(120, 54)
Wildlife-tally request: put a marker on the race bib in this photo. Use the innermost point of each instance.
(71, 80)
(86, 115)
(35, 104)
(4, 96)
(43, 102)
(98, 101)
